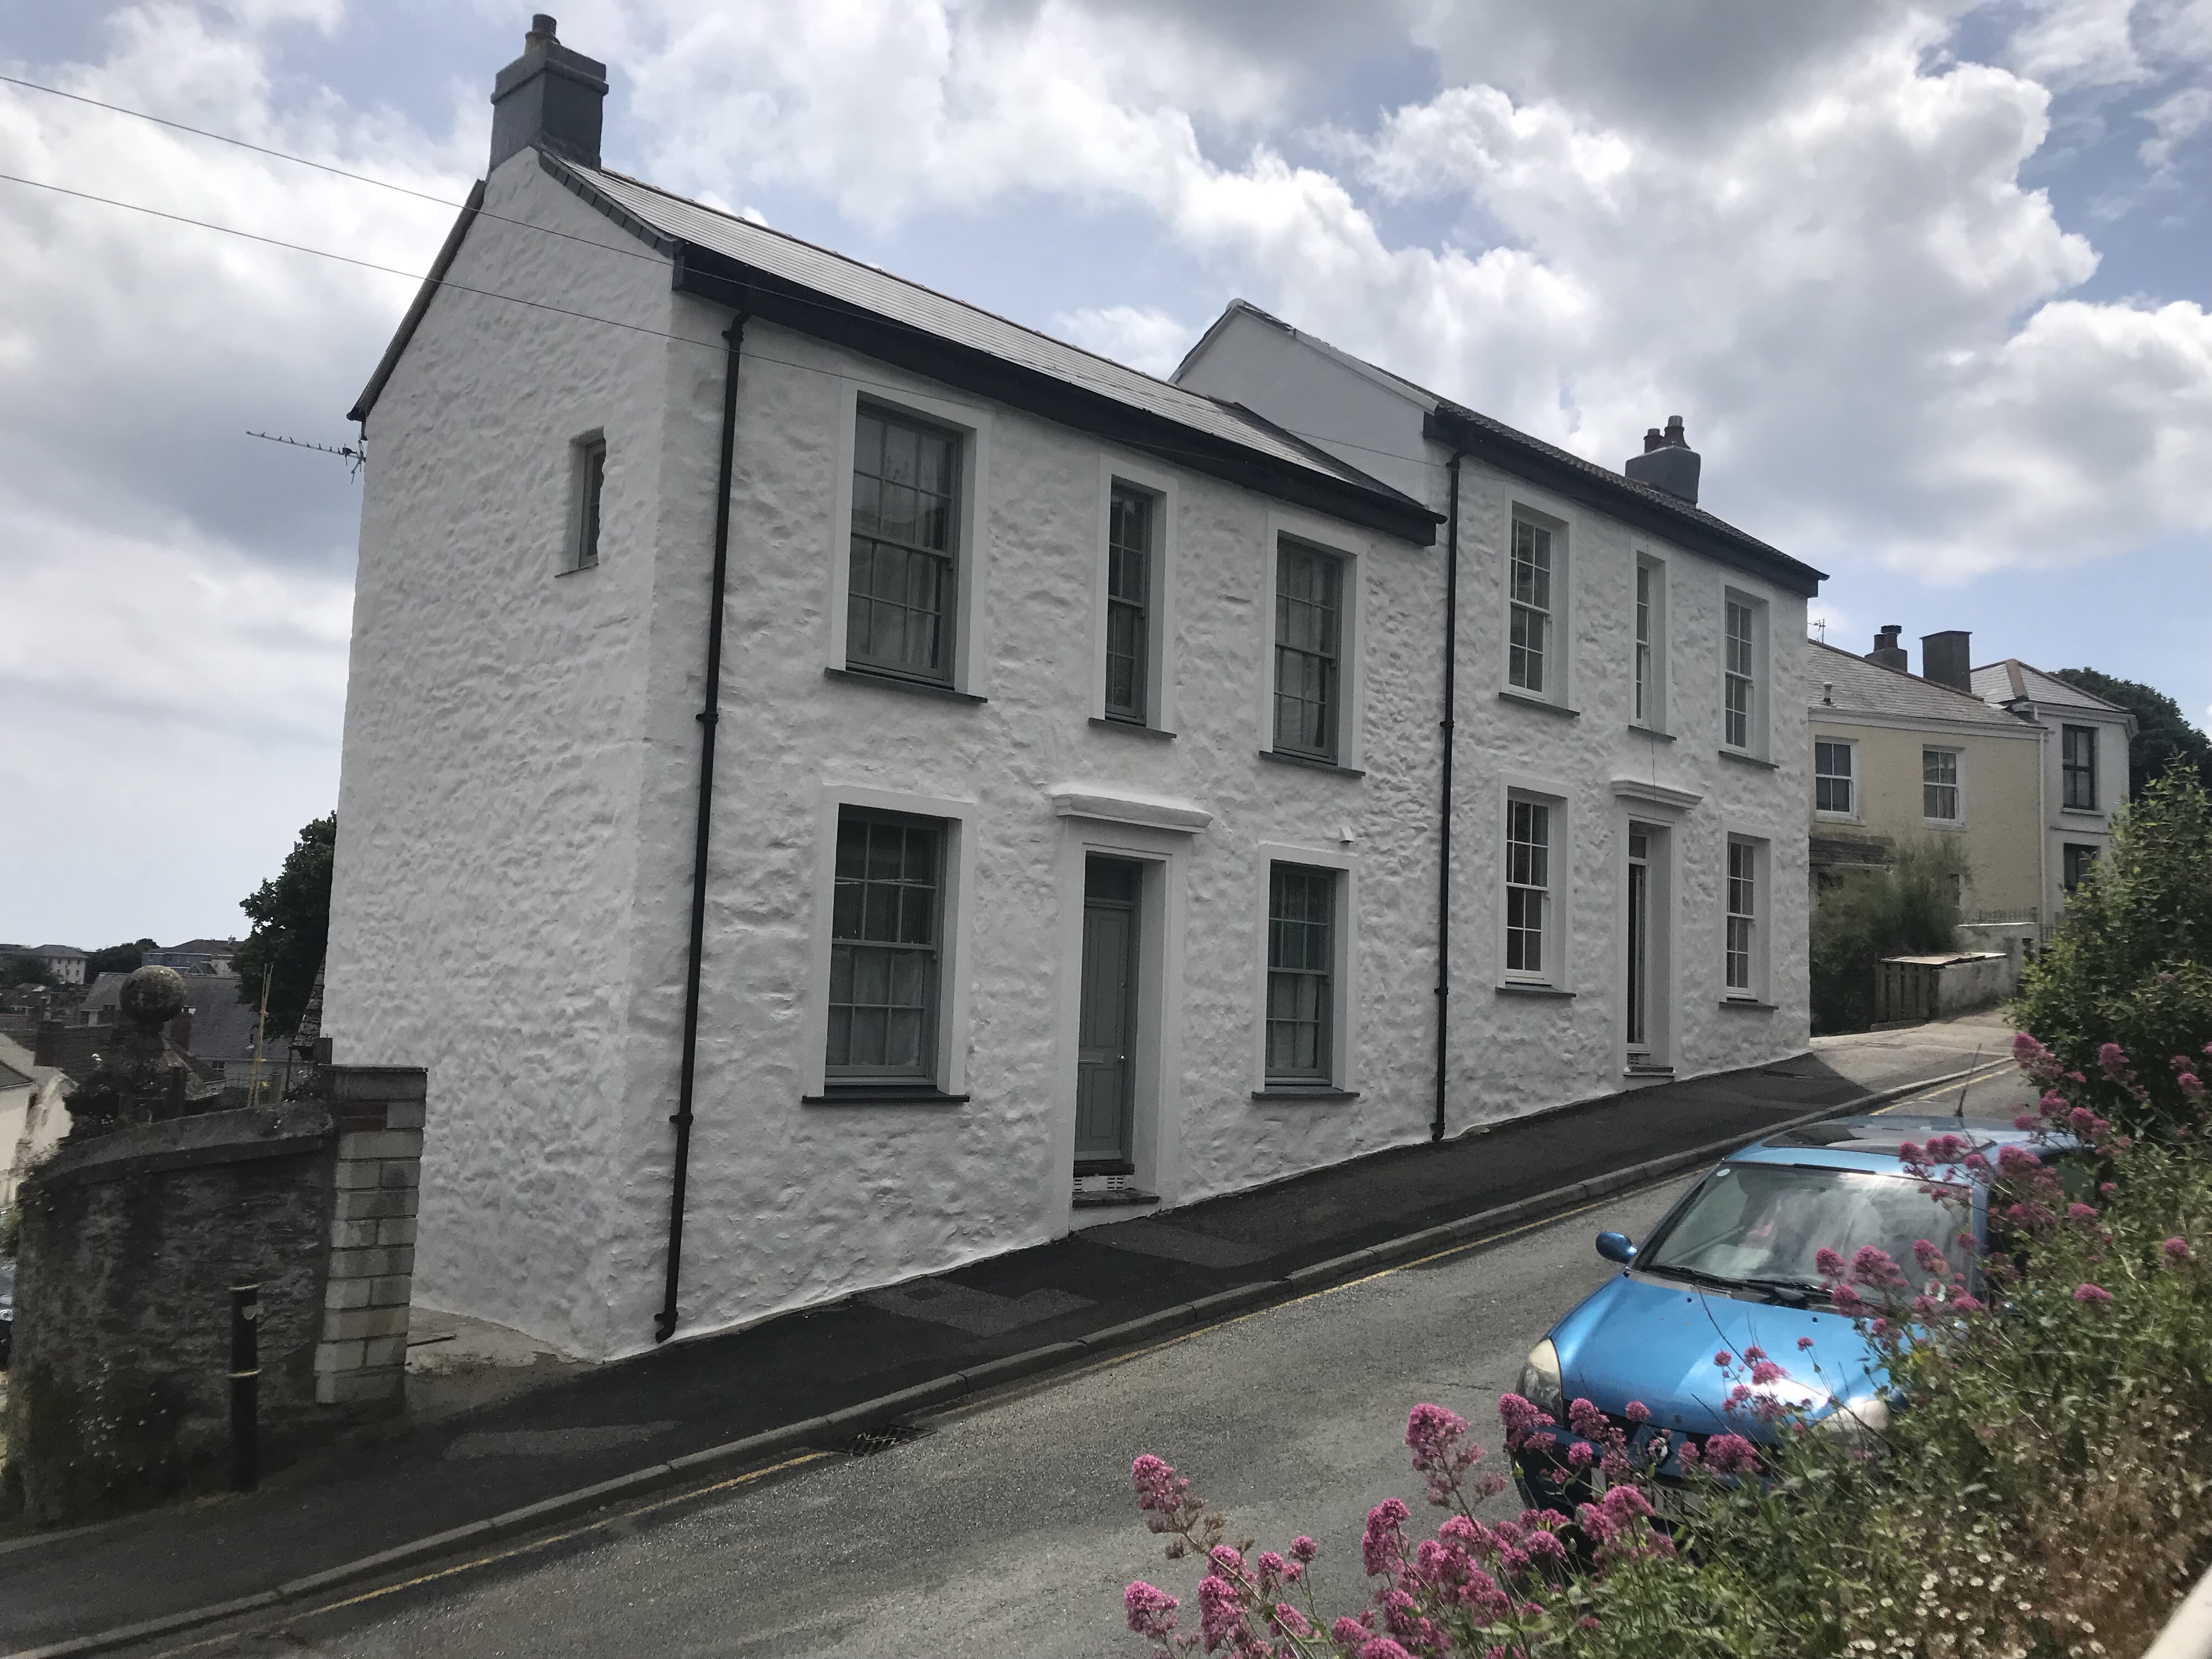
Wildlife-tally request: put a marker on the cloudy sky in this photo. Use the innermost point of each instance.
(1928, 283)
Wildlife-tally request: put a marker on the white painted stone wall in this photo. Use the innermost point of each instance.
(514, 857)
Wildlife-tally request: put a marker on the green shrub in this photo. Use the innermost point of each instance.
(1909, 908)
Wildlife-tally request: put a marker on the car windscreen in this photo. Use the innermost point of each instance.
(1751, 1222)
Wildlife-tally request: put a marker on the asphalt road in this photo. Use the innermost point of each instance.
(1008, 1527)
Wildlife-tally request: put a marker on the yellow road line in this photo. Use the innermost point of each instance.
(1979, 1074)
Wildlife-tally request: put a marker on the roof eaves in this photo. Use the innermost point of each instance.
(416, 312)
(1634, 503)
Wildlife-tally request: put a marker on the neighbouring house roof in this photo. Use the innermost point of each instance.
(204, 947)
(1507, 447)
(767, 273)
(222, 1026)
(1867, 688)
(2012, 679)
(56, 951)
(18, 1061)
(12, 1078)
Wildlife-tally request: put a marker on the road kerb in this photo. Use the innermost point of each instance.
(762, 1447)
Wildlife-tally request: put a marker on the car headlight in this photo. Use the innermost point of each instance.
(1858, 1421)
(1540, 1380)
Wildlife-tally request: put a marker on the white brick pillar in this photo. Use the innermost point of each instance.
(363, 1356)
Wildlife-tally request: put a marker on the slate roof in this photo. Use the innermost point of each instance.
(1615, 490)
(222, 1026)
(815, 289)
(2001, 682)
(1869, 688)
(12, 1078)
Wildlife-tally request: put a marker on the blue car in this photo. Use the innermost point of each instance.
(1730, 1267)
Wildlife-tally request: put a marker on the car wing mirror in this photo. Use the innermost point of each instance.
(1615, 1247)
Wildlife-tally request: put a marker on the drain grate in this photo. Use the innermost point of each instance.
(883, 1437)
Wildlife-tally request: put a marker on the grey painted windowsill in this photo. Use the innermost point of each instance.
(1280, 758)
(1131, 727)
(1532, 700)
(577, 570)
(893, 683)
(1742, 758)
(2081, 812)
(1751, 1003)
(1652, 732)
(1509, 989)
(1293, 1091)
(910, 1094)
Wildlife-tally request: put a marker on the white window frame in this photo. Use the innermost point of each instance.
(955, 930)
(1755, 738)
(1558, 907)
(1850, 748)
(1759, 917)
(1323, 535)
(1344, 1049)
(1957, 785)
(1558, 627)
(1647, 644)
(972, 425)
(583, 545)
(2094, 769)
(1120, 471)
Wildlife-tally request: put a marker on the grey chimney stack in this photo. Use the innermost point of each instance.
(1667, 462)
(1887, 653)
(550, 98)
(1947, 659)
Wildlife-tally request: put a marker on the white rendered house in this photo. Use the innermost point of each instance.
(975, 789)
(1626, 722)
(2085, 767)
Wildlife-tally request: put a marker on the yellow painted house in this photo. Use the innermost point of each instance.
(1898, 758)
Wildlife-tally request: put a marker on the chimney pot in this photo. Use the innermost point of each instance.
(550, 98)
(1887, 653)
(1667, 462)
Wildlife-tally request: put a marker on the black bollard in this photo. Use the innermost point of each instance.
(245, 1386)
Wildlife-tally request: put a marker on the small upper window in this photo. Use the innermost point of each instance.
(899, 604)
(591, 472)
(1128, 605)
(2079, 860)
(1832, 782)
(1529, 628)
(1737, 684)
(1939, 785)
(1644, 700)
(2077, 760)
(1309, 634)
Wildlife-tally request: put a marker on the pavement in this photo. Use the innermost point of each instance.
(466, 1458)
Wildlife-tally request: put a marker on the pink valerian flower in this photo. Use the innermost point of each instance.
(1383, 1543)
(1724, 1359)
(2111, 1060)
(1827, 1263)
(2017, 1160)
(1151, 1612)
(1379, 1647)
(1849, 1302)
(1348, 1632)
(1754, 1354)
(2176, 1249)
(1962, 1303)
(1521, 1417)
(2095, 1295)
(1304, 1549)
(1766, 1371)
(2191, 1085)
(1636, 1412)
(1159, 1487)
(1930, 1258)
(2038, 1061)
(1731, 1453)
(1431, 1434)
(1289, 1619)
(1804, 1343)
(2080, 1213)
(1220, 1612)
(1875, 1268)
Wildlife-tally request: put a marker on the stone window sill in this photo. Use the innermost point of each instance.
(577, 570)
(1553, 992)
(1131, 727)
(1750, 1004)
(1281, 758)
(1530, 700)
(1743, 759)
(1644, 731)
(893, 683)
(2081, 812)
(1127, 1198)
(1294, 1092)
(883, 1094)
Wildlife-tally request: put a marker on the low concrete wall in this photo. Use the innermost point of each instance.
(1909, 989)
(119, 1387)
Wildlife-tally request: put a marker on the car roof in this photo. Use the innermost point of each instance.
(1872, 1142)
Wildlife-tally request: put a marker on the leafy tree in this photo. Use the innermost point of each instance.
(1909, 908)
(21, 970)
(2165, 742)
(291, 917)
(2132, 963)
(119, 958)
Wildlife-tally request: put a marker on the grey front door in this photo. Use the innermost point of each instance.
(1104, 1072)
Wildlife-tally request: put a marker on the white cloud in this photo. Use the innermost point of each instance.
(2174, 120)
(1140, 336)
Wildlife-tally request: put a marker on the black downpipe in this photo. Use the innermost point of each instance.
(709, 717)
(1444, 827)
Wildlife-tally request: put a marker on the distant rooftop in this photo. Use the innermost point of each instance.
(1866, 688)
(2002, 682)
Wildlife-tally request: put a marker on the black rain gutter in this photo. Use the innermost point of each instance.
(1444, 814)
(718, 278)
(709, 717)
(1577, 480)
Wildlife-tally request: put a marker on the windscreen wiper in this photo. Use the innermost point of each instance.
(1798, 1292)
(1802, 1289)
